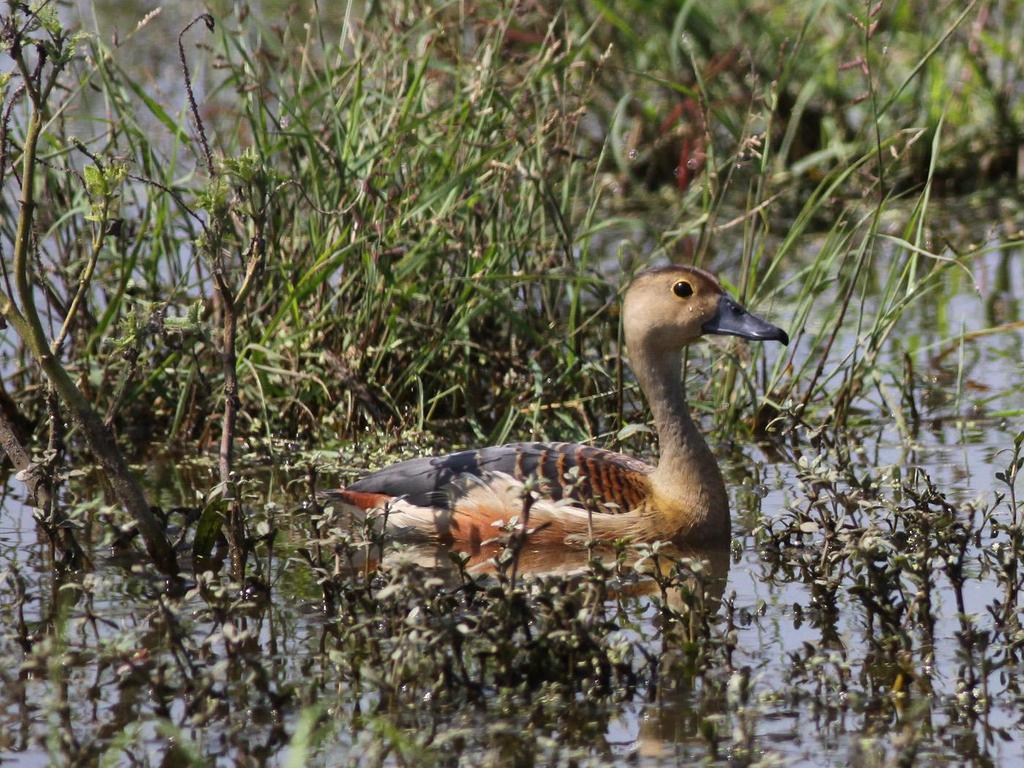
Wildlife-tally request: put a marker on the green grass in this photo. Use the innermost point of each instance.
(443, 212)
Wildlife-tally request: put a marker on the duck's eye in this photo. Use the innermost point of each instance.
(682, 289)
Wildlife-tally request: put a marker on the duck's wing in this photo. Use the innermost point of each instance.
(602, 480)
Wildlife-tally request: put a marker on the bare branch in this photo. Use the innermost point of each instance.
(208, 20)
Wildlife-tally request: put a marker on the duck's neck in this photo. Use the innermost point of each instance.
(689, 491)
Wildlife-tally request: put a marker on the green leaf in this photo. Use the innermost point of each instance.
(207, 530)
(632, 429)
(93, 181)
(213, 198)
(245, 166)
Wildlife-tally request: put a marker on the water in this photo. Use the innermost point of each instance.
(818, 693)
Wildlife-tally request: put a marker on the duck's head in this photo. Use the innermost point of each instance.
(668, 307)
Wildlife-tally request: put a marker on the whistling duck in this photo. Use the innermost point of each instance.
(567, 493)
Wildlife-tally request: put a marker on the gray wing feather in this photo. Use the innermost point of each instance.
(432, 482)
(428, 481)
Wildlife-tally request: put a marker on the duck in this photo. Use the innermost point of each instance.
(569, 493)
